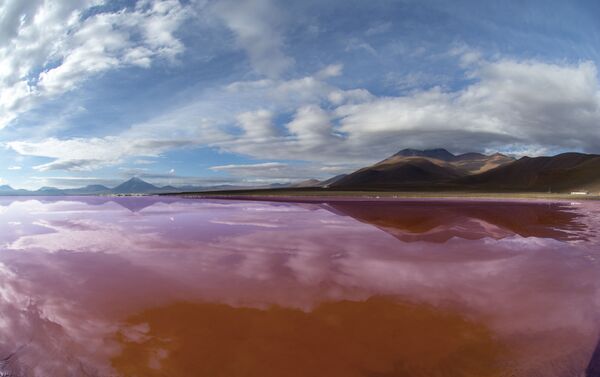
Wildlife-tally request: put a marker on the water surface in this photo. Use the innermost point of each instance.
(167, 287)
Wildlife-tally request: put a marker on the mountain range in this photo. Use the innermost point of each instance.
(133, 186)
(438, 169)
(407, 170)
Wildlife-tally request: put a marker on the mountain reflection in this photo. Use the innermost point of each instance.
(415, 220)
(136, 204)
(436, 221)
(593, 369)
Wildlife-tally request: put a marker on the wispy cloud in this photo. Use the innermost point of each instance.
(54, 48)
(258, 29)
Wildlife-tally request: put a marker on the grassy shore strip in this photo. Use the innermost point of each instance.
(336, 195)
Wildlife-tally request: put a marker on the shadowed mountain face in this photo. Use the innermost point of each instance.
(564, 172)
(411, 167)
(437, 169)
(439, 153)
(593, 369)
(332, 180)
(411, 170)
(412, 221)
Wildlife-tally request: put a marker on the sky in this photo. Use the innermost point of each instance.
(254, 92)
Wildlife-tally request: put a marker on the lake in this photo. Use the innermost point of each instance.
(100, 286)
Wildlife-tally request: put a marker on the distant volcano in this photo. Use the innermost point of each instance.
(135, 185)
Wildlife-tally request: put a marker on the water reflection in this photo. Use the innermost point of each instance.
(439, 221)
(109, 286)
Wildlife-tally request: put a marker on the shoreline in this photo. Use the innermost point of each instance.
(375, 196)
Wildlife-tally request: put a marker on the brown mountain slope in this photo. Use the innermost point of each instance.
(409, 172)
(414, 168)
(475, 163)
(467, 163)
(307, 183)
(564, 172)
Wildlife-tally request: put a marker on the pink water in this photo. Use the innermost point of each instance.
(168, 287)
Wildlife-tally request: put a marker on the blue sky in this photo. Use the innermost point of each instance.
(261, 91)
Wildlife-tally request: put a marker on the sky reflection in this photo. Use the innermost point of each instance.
(88, 281)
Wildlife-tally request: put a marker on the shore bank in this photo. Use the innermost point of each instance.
(313, 195)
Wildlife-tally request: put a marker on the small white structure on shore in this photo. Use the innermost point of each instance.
(580, 192)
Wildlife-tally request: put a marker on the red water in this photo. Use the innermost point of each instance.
(167, 287)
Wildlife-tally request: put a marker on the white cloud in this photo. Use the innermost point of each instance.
(311, 126)
(379, 28)
(271, 166)
(14, 168)
(332, 70)
(149, 139)
(257, 25)
(268, 172)
(142, 161)
(257, 124)
(512, 106)
(359, 45)
(289, 95)
(523, 103)
(66, 182)
(335, 169)
(48, 48)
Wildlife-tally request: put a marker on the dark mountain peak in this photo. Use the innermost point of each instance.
(409, 152)
(470, 155)
(135, 186)
(438, 153)
(438, 150)
(6, 188)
